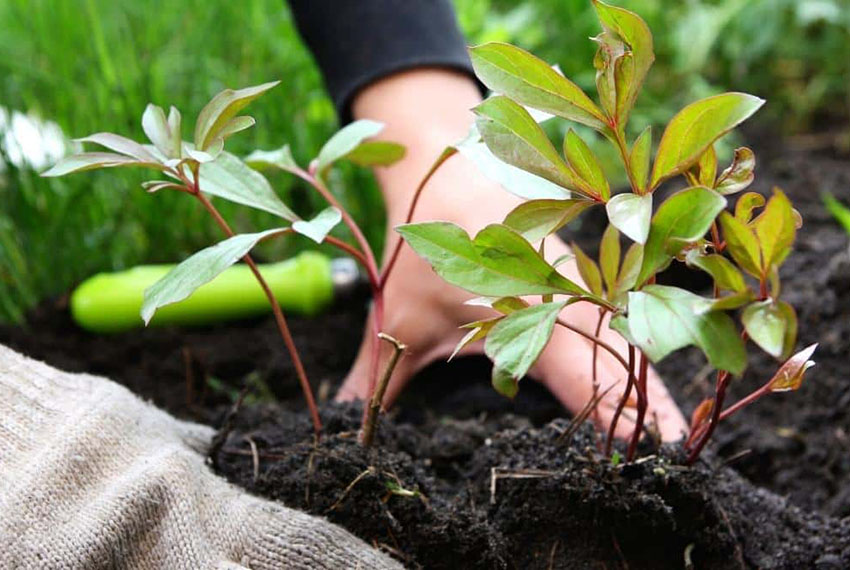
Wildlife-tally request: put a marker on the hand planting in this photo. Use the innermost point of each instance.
(741, 248)
(203, 169)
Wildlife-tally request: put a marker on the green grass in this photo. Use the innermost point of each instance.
(93, 65)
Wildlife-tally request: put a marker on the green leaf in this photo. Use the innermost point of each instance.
(215, 117)
(740, 173)
(514, 137)
(696, 127)
(588, 270)
(265, 159)
(175, 128)
(790, 375)
(376, 153)
(635, 33)
(94, 160)
(155, 125)
(200, 268)
(120, 145)
(663, 319)
(531, 82)
(683, 218)
(513, 179)
(771, 325)
(610, 53)
(497, 263)
(725, 274)
(730, 302)
(609, 258)
(585, 164)
(319, 227)
(236, 125)
(746, 204)
(536, 219)
(478, 330)
(742, 244)
(229, 178)
(345, 141)
(629, 270)
(631, 214)
(515, 342)
(775, 229)
(838, 210)
(707, 168)
(639, 158)
(504, 383)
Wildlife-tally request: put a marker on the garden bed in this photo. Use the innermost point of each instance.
(461, 477)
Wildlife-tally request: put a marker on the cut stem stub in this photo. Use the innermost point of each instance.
(370, 425)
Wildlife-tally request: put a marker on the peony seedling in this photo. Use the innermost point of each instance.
(738, 239)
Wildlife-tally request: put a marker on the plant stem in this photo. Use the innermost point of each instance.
(278, 314)
(622, 403)
(723, 378)
(640, 387)
(746, 401)
(595, 340)
(388, 267)
(593, 368)
(374, 408)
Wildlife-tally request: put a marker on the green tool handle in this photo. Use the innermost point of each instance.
(110, 302)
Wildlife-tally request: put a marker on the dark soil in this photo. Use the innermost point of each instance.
(462, 478)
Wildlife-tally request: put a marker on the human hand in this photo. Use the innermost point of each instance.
(426, 110)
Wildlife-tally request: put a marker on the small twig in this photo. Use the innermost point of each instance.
(552, 552)
(255, 458)
(496, 473)
(590, 407)
(368, 471)
(370, 425)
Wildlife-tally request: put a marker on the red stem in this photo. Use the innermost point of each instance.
(719, 395)
(388, 267)
(622, 403)
(593, 370)
(278, 314)
(642, 402)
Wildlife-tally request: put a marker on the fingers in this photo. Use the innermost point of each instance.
(565, 368)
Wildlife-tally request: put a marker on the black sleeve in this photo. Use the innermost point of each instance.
(356, 42)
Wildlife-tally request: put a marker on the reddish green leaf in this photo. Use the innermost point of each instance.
(775, 228)
(515, 137)
(498, 262)
(529, 81)
(635, 33)
(725, 274)
(746, 204)
(631, 214)
(585, 164)
(767, 323)
(639, 158)
(504, 382)
(478, 330)
(790, 375)
(589, 270)
(93, 160)
(696, 127)
(629, 269)
(536, 219)
(516, 341)
(217, 114)
(707, 168)
(609, 258)
(742, 244)
(683, 218)
(663, 319)
(740, 173)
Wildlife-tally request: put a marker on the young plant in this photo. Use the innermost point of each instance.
(742, 252)
(203, 169)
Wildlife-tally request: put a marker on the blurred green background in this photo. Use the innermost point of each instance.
(92, 65)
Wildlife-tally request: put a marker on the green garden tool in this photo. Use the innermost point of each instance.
(305, 284)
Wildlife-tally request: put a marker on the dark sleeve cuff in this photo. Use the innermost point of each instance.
(357, 42)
